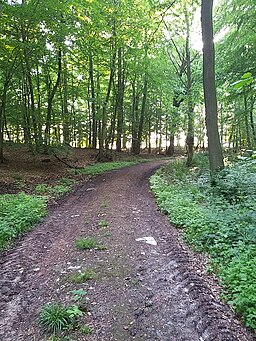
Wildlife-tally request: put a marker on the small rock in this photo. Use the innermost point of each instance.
(133, 331)
(139, 312)
(5, 290)
(148, 304)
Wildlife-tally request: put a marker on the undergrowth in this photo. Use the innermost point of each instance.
(18, 213)
(219, 220)
(63, 187)
(102, 167)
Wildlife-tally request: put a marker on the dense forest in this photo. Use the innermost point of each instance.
(122, 74)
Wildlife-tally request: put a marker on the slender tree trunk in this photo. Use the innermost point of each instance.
(120, 100)
(2, 111)
(50, 100)
(39, 119)
(104, 108)
(66, 116)
(93, 106)
(149, 134)
(246, 122)
(26, 117)
(214, 146)
(137, 141)
(191, 116)
(253, 128)
(135, 116)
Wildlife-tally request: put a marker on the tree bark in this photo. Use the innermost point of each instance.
(50, 99)
(170, 150)
(104, 108)
(136, 142)
(2, 110)
(94, 122)
(253, 128)
(214, 146)
(120, 101)
(191, 116)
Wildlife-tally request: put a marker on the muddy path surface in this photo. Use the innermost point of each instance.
(141, 291)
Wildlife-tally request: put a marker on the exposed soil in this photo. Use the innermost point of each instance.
(141, 292)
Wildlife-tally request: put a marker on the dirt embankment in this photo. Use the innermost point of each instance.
(141, 291)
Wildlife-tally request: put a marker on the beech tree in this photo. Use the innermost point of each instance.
(214, 146)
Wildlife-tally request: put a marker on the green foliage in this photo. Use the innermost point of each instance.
(85, 330)
(86, 243)
(89, 243)
(83, 276)
(100, 168)
(59, 190)
(78, 294)
(56, 191)
(103, 224)
(104, 204)
(66, 181)
(42, 189)
(18, 213)
(240, 277)
(56, 318)
(219, 220)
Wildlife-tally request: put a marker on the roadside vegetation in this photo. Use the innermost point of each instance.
(18, 213)
(218, 218)
(102, 167)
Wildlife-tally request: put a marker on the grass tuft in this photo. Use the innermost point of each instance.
(83, 276)
(87, 243)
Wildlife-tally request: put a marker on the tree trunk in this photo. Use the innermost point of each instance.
(2, 110)
(104, 108)
(191, 116)
(135, 116)
(136, 142)
(94, 122)
(65, 112)
(170, 150)
(246, 122)
(214, 146)
(253, 128)
(50, 100)
(120, 101)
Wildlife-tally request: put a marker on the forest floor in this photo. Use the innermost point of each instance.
(140, 291)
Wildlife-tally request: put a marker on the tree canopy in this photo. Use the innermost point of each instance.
(122, 74)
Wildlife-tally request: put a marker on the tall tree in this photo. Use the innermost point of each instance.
(214, 146)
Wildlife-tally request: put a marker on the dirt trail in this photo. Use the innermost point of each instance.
(141, 292)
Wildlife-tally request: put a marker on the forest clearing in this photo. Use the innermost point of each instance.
(127, 170)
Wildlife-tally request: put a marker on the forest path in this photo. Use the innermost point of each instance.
(141, 292)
